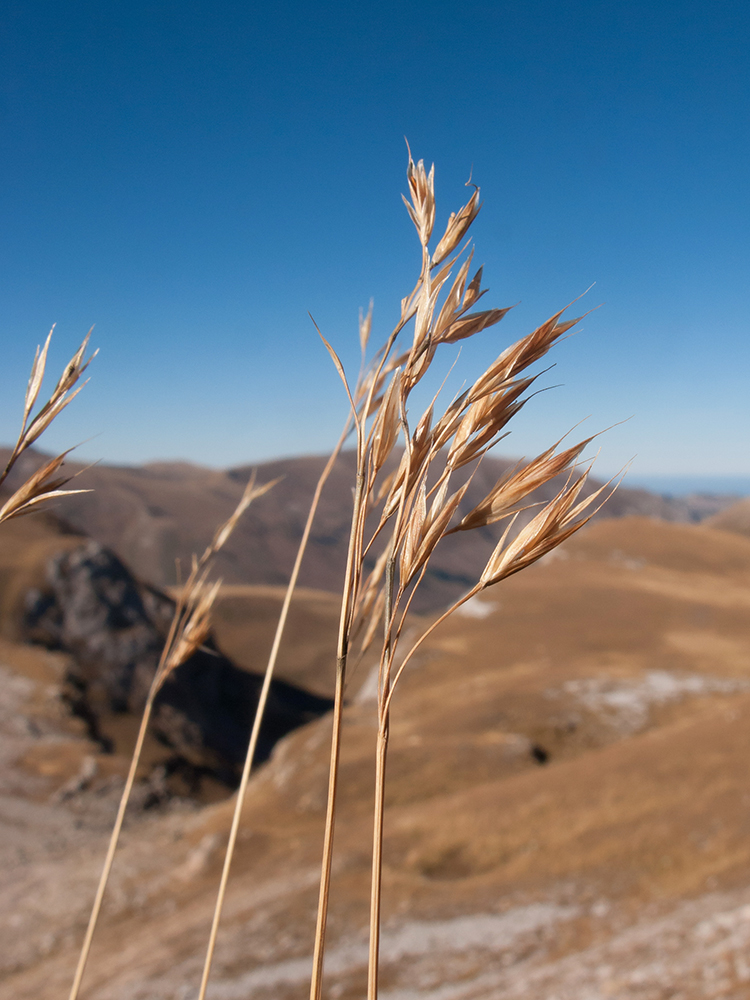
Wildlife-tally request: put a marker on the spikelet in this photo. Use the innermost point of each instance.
(250, 493)
(526, 351)
(60, 398)
(479, 428)
(425, 528)
(415, 458)
(558, 520)
(195, 626)
(41, 485)
(515, 487)
(38, 488)
(422, 192)
(458, 225)
(386, 427)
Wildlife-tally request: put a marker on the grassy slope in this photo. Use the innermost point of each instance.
(627, 661)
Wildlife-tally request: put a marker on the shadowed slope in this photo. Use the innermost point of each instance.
(71, 594)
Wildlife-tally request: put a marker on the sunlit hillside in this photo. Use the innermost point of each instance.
(567, 802)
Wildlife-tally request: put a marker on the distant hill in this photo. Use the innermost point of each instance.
(735, 518)
(153, 515)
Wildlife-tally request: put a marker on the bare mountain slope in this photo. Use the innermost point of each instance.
(154, 514)
(567, 814)
(735, 518)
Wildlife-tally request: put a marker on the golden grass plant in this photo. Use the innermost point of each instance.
(44, 484)
(408, 511)
(416, 506)
(361, 393)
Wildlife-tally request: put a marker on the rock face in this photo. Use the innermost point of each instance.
(114, 627)
(95, 610)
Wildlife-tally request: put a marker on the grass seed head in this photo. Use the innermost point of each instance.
(60, 398)
(558, 520)
(38, 488)
(422, 193)
(41, 486)
(386, 427)
(517, 486)
(458, 225)
(250, 493)
(196, 625)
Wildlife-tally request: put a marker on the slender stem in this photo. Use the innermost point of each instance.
(384, 692)
(316, 982)
(260, 710)
(347, 602)
(409, 599)
(115, 836)
(446, 614)
(380, 758)
(159, 677)
(377, 861)
(390, 571)
(184, 608)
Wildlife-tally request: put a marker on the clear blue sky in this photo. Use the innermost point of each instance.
(194, 177)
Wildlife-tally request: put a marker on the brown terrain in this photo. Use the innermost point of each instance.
(735, 518)
(568, 809)
(152, 515)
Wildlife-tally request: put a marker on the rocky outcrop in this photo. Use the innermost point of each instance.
(95, 609)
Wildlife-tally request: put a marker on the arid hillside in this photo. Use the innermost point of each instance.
(735, 518)
(154, 514)
(568, 811)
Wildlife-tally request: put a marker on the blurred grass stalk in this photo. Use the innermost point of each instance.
(368, 379)
(189, 629)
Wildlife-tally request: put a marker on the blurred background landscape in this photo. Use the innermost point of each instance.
(568, 808)
(568, 791)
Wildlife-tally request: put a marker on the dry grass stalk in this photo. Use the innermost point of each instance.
(418, 505)
(368, 386)
(44, 484)
(260, 712)
(188, 631)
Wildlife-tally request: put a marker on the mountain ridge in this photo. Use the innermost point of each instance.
(154, 515)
